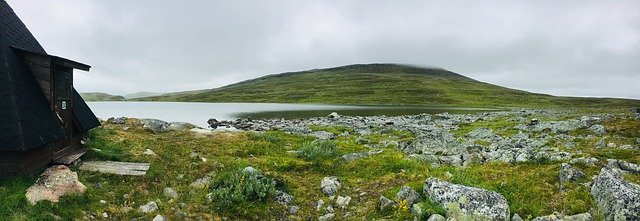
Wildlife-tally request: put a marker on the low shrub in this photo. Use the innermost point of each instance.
(318, 151)
(231, 191)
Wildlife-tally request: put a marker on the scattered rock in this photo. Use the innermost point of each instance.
(201, 183)
(319, 204)
(119, 120)
(617, 199)
(180, 214)
(464, 203)
(170, 193)
(180, 126)
(598, 129)
(481, 133)
(293, 209)
(55, 181)
(330, 185)
(155, 125)
(568, 173)
(283, 198)
(408, 194)
(417, 210)
(213, 123)
(149, 207)
(585, 161)
(516, 217)
(149, 152)
(327, 217)
(323, 135)
(333, 115)
(159, 218)
(561, 217)
(629, 167)
(355, 156)
(386, 203)
(612, 145)
(601, 143)
(193, 155)
(343, 202)
(436, 217)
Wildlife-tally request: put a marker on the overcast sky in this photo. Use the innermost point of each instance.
(575, 48)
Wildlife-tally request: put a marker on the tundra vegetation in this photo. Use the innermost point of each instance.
(276, 172)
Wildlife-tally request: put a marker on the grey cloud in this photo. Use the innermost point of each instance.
(577, 48)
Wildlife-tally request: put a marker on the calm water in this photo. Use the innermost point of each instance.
(199, 113)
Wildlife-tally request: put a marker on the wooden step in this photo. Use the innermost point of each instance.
(70, 157)
(113, 167)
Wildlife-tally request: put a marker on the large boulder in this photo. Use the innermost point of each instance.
(617, 199)
(155, 125)
(56, 181)
(467, 203)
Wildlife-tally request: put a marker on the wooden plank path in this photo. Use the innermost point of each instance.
(113, 167)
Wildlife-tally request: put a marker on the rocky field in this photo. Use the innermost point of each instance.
(507, 165)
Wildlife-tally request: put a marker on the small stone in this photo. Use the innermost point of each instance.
(180, 214)
(201, 183)
(333, 115)
(193, 155)
(436, 217)
(407, 194)
(149, 207)
(319, 205)
(386, 203)
(601, 143)
(516, 217)
(568, 173)
(170, 193)
(159, 218)
(105, 215)
(327, 217)
(103, 201)
(329, 209)
(330, 185)
(293, 209)
(283, 198)
(343, 202)
(149, 152)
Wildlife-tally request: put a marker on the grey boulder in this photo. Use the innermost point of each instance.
(330, 185)
(467, 203)
(617, 199)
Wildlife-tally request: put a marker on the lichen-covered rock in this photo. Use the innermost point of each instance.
(436, 217)
(467, 203)
(408, 194)
(343, 202)
(616, 198)
(180, 126)
(330, 185)
(568, 173)
(149, 207)
(283, 198)
(155, 125)
(386, 203)
(323, 135)
(481, 133)
(584, 161)
(56, 181)
(170, 193)
(516, 217)
(561, 217)
(598, 129)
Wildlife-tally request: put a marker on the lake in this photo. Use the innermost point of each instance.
(199, 113)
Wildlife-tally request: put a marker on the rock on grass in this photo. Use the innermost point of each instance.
(467, 203)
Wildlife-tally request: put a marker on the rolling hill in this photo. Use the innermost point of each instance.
(382, 84)
(96, 96)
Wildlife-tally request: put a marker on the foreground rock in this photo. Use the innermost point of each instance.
(155, 125)
(467, 203)
(330, 185)
(561, 217)
(616, 198)
(56, 181)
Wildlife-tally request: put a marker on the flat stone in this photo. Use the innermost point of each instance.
(149, 207)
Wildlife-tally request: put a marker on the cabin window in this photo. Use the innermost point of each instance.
(63, 85)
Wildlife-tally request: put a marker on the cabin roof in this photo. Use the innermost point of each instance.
(26, 120)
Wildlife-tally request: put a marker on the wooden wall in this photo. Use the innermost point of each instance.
(40, 67)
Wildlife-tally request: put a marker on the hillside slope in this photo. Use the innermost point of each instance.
(101, 97)
(381, 84)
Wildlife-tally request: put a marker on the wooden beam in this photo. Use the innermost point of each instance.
(113, 167)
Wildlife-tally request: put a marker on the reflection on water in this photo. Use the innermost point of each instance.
(199, 113)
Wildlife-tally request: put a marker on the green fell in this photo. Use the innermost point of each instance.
(101, 97)
(382, 84)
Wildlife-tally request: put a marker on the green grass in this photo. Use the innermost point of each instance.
(531, 189)
(382, 84)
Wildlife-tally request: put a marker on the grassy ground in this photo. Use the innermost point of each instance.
(382, 84)
(531, 189)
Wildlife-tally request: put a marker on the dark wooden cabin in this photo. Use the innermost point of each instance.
(42, 117)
